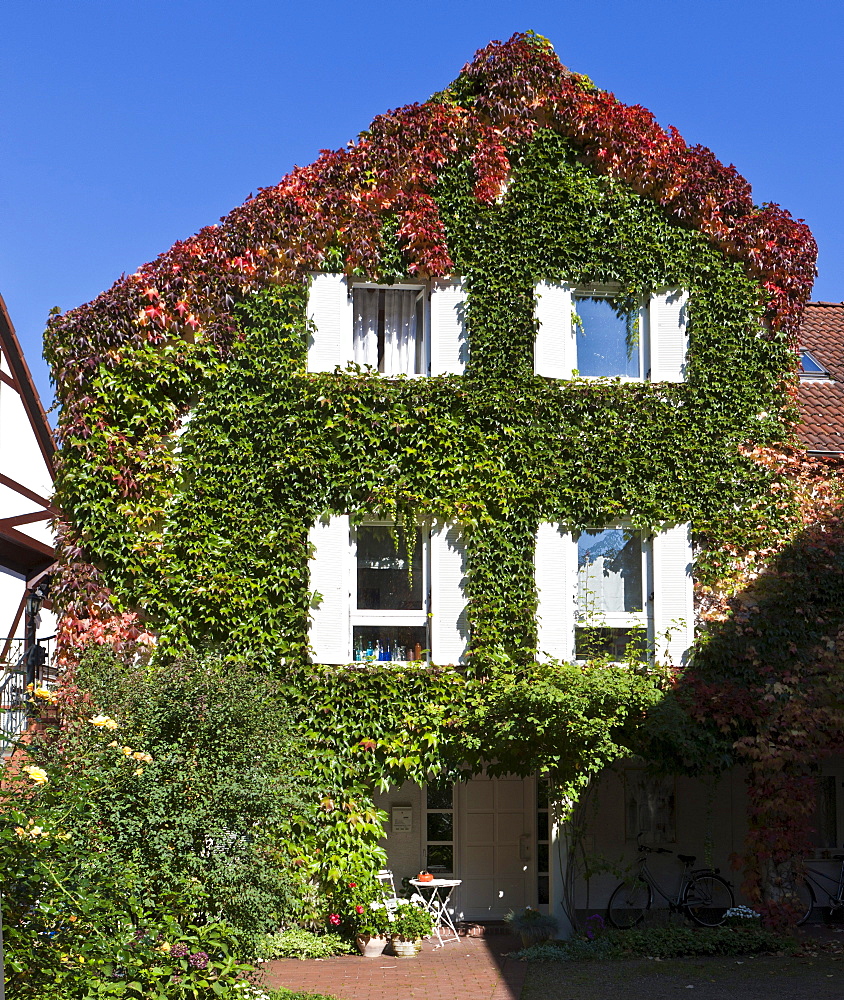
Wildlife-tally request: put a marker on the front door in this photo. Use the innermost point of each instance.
(497, 852)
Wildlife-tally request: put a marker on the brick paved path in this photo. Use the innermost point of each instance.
(473, 969)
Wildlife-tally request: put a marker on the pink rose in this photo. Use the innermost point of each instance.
(334, 919)
(358, 909)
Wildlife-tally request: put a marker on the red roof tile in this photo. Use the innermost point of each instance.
(822, 400)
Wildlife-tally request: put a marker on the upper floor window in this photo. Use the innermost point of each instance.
(389, 615)
(588, 330)
(401, 329)
(596, 587)
(389, 329)
(374, 599)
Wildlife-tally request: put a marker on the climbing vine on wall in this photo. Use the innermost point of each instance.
(197, 450)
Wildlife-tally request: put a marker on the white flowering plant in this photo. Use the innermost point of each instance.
(741, 916)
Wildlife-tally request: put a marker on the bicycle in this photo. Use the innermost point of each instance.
(806, 894)
(703, 895)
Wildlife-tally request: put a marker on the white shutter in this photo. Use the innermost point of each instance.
(555, 349)
(673, 599)
(330, 310)
(449, 339)
(556, 579)
(330, 630)
(669, 337)
(449, 631)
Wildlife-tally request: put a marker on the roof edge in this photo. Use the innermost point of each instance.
(29, 394)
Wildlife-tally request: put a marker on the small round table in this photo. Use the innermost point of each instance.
(436, 903)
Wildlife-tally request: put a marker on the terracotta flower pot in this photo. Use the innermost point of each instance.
(369, 946)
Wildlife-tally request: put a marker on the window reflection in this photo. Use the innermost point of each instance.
(607, 341)
(384, 582)
(609, 571)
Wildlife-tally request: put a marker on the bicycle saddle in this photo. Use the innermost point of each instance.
(687, 859)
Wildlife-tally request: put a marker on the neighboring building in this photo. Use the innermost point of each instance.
(27, 553)
(821, 394)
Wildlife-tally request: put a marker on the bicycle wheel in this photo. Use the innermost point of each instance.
(707, 899)
(628, 904)
(806, 900)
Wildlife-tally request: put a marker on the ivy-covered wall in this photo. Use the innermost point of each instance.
(213, 546)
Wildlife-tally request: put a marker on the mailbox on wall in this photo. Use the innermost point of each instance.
(402, 819)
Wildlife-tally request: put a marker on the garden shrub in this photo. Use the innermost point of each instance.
(156, 816)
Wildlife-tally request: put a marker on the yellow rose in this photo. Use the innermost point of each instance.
(165, 948)
(36, 774)
(138, 772)
(128, 751)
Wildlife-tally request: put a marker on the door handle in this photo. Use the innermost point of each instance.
(524, 847)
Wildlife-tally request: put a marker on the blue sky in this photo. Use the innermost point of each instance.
(128, 125)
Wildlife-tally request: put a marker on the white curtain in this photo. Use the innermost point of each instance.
(366, 327)
(400, 333)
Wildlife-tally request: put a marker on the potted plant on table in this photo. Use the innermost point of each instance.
(409, 924)
(532, 926)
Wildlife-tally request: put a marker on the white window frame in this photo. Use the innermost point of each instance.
(610, 292)
(363, 618)
(424, 291)
(643, 619)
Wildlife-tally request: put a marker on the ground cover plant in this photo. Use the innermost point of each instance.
(300, 943)
(661, 942)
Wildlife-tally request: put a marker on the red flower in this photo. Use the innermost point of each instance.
(358, 909)
(334, 919)
(353, 885)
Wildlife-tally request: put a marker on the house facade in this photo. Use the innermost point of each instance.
(469, 396)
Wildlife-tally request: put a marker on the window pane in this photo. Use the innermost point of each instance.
(605, 345)
(609, 571)
(809, 366)
(440, 795)
(542, 857)
(390, 642)
(542, 793)
(542, 825)
(384, 582)
(543, 895)
(440, 859)
(441, 826)
(388, 330)
(591, 643)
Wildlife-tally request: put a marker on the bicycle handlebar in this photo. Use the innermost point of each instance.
(653, 850)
